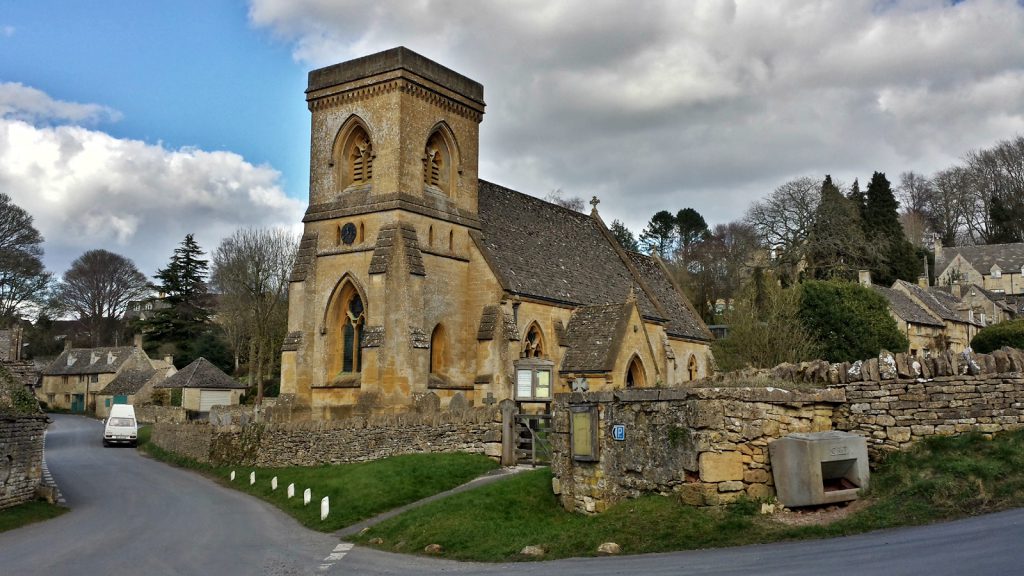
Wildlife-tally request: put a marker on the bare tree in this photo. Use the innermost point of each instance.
(250, 271)
(947, 205)
(97, 288)
(783, 220)
(571, 202)
(23, 278)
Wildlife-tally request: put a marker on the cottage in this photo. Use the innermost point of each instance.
(414, 276)
(998, 268)
(74, 378)
(203, 386)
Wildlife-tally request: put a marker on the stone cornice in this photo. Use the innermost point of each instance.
(397, 81)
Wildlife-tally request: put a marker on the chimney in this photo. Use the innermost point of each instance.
(169, 359)
(137, 340)
(955, 288)
(864, 278)
(937, 246)
(67, 344)
(922, 281)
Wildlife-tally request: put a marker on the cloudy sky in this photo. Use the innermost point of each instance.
(125, 125)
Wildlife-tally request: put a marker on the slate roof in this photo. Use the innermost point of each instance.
(548, 252)
(942, 304)
(200, 374)
(1009, 257)
(128, 382)
(904, 307)
(591, 337)
(92, 360)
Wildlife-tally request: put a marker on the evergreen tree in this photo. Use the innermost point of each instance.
(660, 234)
(691, 229)
(624, 236)
(849, 322)
(896, 259)
(182, 285)
(858, 199)
(836, 246)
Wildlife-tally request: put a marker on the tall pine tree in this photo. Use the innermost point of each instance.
(177, 327)
(836, 246)
(896, 258)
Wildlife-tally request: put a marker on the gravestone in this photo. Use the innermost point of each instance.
(307, 496)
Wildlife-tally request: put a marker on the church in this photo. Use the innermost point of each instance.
(413, 276)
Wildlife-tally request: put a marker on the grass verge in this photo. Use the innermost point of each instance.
(941, 478)
(356, 491)
(28, 513)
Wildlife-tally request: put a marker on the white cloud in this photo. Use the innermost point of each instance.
(21, 102)
(709, 103)
(87, 189)
(7, 31)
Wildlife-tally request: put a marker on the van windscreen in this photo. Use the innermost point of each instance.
(122, 422)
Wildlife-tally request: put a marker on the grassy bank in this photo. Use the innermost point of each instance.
(356, 491)
(942, 478)
(28, 513)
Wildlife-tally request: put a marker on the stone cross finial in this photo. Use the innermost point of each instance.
(594, 202)
(489, 399)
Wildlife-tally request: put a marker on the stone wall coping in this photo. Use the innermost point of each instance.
(769, 394)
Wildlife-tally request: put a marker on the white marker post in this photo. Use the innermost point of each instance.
(273, 483)
(307, 496)
(252, 478)
(325, 508)
(291, 490)
(232, 475)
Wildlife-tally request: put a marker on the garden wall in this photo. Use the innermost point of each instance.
(709, 444)
(311, 443)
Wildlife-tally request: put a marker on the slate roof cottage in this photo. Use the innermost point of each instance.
(414, 276)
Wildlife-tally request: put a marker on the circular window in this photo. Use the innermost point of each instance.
(348, 233)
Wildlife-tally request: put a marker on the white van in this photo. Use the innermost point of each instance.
(121, 427)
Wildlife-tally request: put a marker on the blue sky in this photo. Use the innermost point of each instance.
(185, 73)
(125, 125)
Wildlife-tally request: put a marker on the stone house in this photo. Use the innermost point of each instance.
(984, 306)
(923, 329)
(960, 325)
(74, 378)
(203, 386)
(998, 268)
(414, 276)
(133, 385)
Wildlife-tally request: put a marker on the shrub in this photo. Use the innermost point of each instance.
(851, 322)
(1008, 333)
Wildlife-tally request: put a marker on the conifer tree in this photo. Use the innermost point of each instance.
(836, 246)
(182, 285)
(897, 259)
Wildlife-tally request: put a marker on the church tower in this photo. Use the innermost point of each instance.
(384, 265)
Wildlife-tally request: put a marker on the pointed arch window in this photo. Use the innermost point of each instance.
(353, 156)
(635, 377)
(439, 162)
(346, 320)
(533, 343)
(691, 367)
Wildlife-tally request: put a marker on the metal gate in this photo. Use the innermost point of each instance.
(533, 444)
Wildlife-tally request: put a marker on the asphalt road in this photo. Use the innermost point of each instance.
(131, 515)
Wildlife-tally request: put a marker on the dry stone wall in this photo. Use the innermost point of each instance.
(355, 439)
(151, 414)
(708, 444)
(21, 458)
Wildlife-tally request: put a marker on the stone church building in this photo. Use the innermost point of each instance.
(414, 276)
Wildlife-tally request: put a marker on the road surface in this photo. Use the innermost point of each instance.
(132, 515)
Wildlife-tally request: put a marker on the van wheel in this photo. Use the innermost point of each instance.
(106, 444)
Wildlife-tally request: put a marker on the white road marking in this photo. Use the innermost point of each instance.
(338, 553)
(47, 477)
